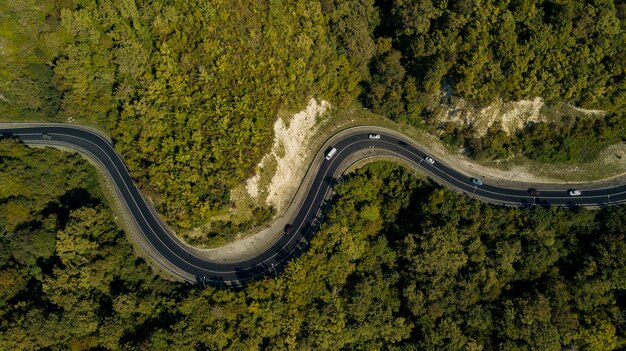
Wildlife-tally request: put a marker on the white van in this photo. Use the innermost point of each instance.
(331, 153)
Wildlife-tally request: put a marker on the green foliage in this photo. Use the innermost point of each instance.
(482, 50)
(353, 24)
(188, 90)
(87, 290)
(391, 91)
(577, 141)
(482, 277)
(571, 141)
(397, 264)
(225, 231)
(29, 41)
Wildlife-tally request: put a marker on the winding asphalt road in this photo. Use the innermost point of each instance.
(180, 260)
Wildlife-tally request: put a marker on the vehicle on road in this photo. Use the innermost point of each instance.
(574, 192)
(374, 136)
(331, 153)
(534, 192)
(477, 181)
(46, 136)
(429, 160)
(287, 230)
(180, 259)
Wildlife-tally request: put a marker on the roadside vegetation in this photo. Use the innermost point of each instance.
(563, 51)
(189, 91)
(571, 140)
(430, 54)
(399, 263)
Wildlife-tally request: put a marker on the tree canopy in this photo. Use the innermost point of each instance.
(189, 90)
(397, 264)
(483, 50)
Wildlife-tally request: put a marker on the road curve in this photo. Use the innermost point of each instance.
(180, 260)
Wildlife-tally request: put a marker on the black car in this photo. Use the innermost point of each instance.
(287, 230)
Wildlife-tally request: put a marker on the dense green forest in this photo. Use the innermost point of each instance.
(189, 90)
(563, 51)
(571, 140)
(483, 50)
(398, 264)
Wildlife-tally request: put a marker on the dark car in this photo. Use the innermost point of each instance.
(477, 181)
(534, 192)
(288, 228)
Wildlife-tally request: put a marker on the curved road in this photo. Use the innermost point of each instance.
(181, 261)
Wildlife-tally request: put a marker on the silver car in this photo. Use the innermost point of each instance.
(374, 136)
(574, 192)
(429, 160)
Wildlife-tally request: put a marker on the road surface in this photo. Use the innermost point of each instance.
(182, 262)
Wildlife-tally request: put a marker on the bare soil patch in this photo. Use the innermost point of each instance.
(510, 115)
(289, 151)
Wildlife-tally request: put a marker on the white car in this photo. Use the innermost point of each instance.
(574, 192)
(331, 153)
(374, 136)
(477, 181)
(429, 160)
